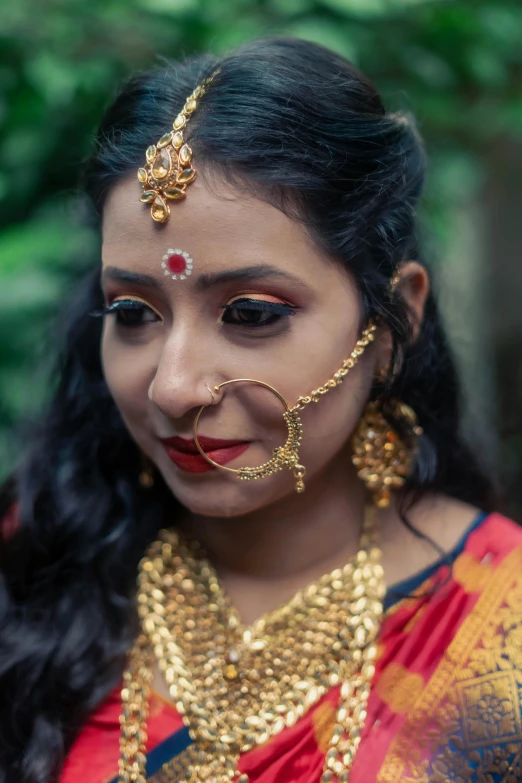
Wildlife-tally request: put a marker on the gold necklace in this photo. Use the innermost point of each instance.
(237, 686)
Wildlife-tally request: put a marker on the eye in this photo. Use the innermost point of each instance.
(129, 312)
(249, 312)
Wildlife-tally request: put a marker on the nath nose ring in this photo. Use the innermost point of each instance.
(287, 456)
(211, 394)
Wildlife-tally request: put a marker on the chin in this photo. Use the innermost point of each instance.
(227, 497)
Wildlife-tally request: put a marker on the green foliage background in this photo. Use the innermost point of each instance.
(457, 65)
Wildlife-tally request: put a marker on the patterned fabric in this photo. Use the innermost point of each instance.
(446, 702)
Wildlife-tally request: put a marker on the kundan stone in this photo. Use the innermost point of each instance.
(162, 165)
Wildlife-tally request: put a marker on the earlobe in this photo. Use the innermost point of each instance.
(383, 358)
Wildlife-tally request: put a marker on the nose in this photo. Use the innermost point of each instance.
(183, 377)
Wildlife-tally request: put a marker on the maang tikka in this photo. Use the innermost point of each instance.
(168, 168)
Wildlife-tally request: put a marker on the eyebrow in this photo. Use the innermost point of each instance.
(114, 273)
(208, 280)
(244, 273)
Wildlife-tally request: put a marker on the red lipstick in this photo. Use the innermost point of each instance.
(184, 454)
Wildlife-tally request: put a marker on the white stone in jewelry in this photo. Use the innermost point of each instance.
(177, 263)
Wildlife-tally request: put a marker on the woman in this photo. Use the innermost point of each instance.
(264, 261)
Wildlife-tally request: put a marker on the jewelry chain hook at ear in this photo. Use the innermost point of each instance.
(287, 456)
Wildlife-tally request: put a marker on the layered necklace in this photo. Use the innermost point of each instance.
(237, 686)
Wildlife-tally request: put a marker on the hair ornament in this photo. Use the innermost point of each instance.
(168, 168)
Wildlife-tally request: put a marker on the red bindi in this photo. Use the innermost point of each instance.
(177, 263)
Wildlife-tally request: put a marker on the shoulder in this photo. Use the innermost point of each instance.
(489, 565)
(494, 538)
(454, 525)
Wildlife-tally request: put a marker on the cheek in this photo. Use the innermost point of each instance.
(329, 423)
(127, 378)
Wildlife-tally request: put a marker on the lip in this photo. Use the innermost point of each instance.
(183, 452)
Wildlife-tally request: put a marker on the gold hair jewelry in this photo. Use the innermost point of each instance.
(287, 456)
(238, 686)
(384, 460)
(383, 373)
(395, 280)
(168, 169)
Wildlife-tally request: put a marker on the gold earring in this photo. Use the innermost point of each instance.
(146, 475)
(382, 456)
(383, 373)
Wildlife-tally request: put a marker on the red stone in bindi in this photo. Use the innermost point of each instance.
(177, 263)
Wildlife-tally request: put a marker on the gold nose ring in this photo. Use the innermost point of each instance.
(211, 394)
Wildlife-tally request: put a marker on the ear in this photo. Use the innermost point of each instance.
(413, 284)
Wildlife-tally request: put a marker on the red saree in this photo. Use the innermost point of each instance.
(446, 701)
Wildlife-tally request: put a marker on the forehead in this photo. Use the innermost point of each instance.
(219, 226)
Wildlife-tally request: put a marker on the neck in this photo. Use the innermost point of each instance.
(262, 558)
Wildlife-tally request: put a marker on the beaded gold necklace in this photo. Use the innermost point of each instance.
(237, 686)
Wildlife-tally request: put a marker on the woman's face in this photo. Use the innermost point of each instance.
(261, 302)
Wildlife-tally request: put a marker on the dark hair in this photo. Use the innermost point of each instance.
(296, 125)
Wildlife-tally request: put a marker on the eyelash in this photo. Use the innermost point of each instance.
(122, 307)
(276, 310)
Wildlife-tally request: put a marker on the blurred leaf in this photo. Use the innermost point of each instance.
(487, 67)
(369, 8)
(55, 79)
(292, 7)
(169, 7)
(45, 244)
